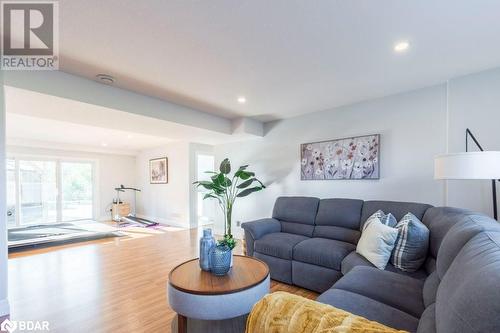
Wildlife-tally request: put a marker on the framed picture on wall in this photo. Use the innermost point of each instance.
(348, 158)
(158, 170)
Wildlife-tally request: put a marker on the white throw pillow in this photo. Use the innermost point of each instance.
(377, 242)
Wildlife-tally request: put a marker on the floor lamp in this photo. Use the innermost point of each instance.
(470, 165)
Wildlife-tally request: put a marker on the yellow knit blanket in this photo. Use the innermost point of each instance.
(281, 312)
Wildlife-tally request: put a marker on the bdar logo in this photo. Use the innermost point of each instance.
(8, 326)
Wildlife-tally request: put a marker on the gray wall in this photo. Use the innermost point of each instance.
(414, 127)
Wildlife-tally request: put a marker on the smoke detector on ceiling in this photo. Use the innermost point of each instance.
(105, 78)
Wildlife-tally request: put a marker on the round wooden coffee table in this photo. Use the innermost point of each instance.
(194, 293)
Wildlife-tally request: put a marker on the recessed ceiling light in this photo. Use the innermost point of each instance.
(242, 100)
(401, 46)
(104, 144)
(105, 78)
(130, 136)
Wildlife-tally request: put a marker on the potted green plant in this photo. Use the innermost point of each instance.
(226, 189)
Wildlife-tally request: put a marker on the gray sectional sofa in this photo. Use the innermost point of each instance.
(312, 243)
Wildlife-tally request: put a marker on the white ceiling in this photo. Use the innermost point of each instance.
(288, 57)
(41, 132)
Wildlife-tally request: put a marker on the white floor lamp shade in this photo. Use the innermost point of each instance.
(470, 165)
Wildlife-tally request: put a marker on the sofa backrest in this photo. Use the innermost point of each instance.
(468, 297)
(396, 208)
(339, 219)
(468, 226)
(452, 233)
(296, 214)
(439, 220)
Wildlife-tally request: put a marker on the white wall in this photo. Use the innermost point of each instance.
(4, 304)
(165, 203)
(474, 103)
(412, 133)
(112, 170)
(209, 206)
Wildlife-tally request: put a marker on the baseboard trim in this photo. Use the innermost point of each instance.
(4, 307)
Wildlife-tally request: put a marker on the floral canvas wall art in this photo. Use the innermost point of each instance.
(349, 158)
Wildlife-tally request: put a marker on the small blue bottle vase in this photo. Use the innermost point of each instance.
(207, 242)
(220, 260)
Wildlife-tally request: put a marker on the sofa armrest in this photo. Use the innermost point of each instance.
(256, 229)
(261, 227)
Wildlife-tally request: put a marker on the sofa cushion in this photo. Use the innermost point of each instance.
(278, 244)
(337, 233)
(344, 213)
(354, 259)
(369, 308)
(439, 220)
(297, 228)
(322, 252)
(296, 214)
(468, 295)
(296, 209)
(427, 323)
(410, 249)
(396, 208)
(339, 219)
(458, 235)
(396, 290)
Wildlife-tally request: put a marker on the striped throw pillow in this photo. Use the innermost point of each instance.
(410, 249)
(387, 219)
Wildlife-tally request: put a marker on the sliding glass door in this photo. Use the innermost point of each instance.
(37, 192)
(48, 191)
(77, 191)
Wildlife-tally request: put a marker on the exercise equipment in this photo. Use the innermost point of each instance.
(122, 211)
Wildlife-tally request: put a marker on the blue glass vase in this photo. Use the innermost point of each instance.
(220, 260)
(207, 242)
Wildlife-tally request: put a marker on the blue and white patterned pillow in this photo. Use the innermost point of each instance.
(410, 249)
(387, 219)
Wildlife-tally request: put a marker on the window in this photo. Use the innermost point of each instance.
(41, 191)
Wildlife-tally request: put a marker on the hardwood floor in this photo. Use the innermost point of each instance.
(107, 285)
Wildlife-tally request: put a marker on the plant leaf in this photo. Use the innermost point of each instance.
(209, 195)
(261, 184)
(226, 182)
(225, 166)
(244, 175)
(248, 191)
(246, 183)
(218, 179)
